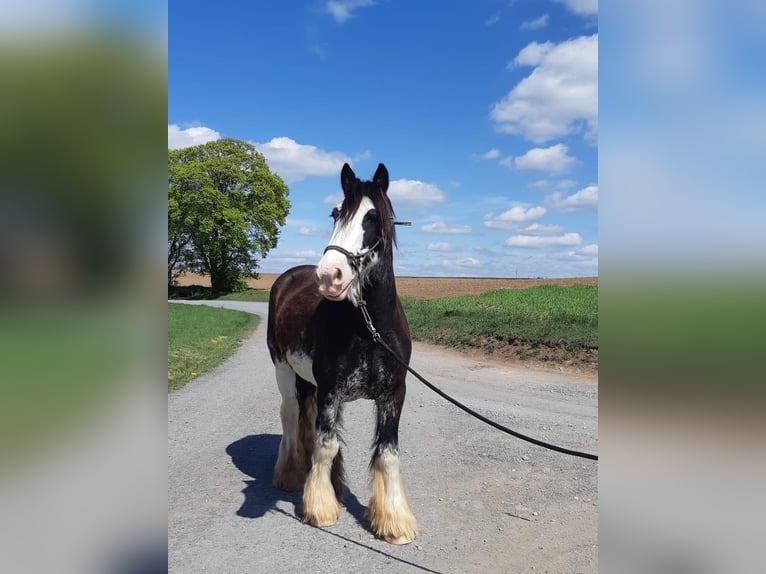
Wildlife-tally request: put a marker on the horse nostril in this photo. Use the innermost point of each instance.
(337, 277)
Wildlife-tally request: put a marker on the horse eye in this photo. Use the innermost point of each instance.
(335, 213)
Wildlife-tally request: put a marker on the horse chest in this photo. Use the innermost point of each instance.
(354, 375)
(302, 364)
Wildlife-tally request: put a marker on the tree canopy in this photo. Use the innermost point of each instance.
(225, 209)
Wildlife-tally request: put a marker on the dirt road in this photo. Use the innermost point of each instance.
(485, 502)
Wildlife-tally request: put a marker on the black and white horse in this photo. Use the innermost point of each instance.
(325, 356)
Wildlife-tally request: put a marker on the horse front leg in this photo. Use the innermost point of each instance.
(325, 479)
(389, 510)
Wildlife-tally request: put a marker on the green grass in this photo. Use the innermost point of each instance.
(257, 295)
(201, 338)
(198, 292)
(564, 318)
(689, 339)
(62, 364)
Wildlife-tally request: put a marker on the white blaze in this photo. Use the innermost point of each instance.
(334, 274)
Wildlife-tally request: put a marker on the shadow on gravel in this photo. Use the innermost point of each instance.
(256, 455)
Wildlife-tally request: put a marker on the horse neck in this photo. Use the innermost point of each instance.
(380, 292)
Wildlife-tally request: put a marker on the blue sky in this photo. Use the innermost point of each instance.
(484, 113)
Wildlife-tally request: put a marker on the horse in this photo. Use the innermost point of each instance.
(324, 355)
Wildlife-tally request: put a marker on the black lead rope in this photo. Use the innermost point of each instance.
(378, 339)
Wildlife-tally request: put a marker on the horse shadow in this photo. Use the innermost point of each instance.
(255, 456)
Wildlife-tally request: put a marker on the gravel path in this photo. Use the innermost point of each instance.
(485, 502)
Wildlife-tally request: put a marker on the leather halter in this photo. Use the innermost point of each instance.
(354, 259)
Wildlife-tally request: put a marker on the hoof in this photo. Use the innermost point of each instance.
(398, 535)
(290, 486)
(321, 523)
(398, 541)
(290, 481)
(320, 507)
(326, 518)
(394, 530)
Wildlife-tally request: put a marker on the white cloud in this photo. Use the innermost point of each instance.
(535, 24)
(587, 255)
(313, 231)
(342, 10)
(293, 161)
(531, 55)
(445, 228)
(543, 241)
(538, 229)
(304, 254)
(195, 135)
(513, 217)
(546, 184)
(584, 200)
(286, 157)
(456, 268)
(552, 159)
(492, 20)
(333, 199)
(279, 260)
(468, 262)
(558, 96)
(581, 7)
(439, 246)
(414, 193)
(491, 154)
(404, 193)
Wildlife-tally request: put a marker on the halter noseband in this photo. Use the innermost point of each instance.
(354, 259)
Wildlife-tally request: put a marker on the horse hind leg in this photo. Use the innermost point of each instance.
(338, 474)
(291, 468)
(389, 510)
(307, 417)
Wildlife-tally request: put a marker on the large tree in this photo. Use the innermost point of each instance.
(225, 208)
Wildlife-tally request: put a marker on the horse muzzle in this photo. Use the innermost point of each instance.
(333, 283)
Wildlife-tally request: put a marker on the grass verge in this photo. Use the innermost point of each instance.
(199, 292)
(546, 324)
(201, 338)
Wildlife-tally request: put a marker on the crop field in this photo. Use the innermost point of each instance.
(547, 324)
(425, 287)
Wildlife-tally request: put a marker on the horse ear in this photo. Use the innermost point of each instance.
(381, 178)
(347, 178)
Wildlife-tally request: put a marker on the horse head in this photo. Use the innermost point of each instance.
(363, 233)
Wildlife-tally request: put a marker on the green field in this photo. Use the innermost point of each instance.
(548, 317)
(547, 323)
(200, 338)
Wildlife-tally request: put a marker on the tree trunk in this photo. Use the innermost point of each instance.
(223, 280)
